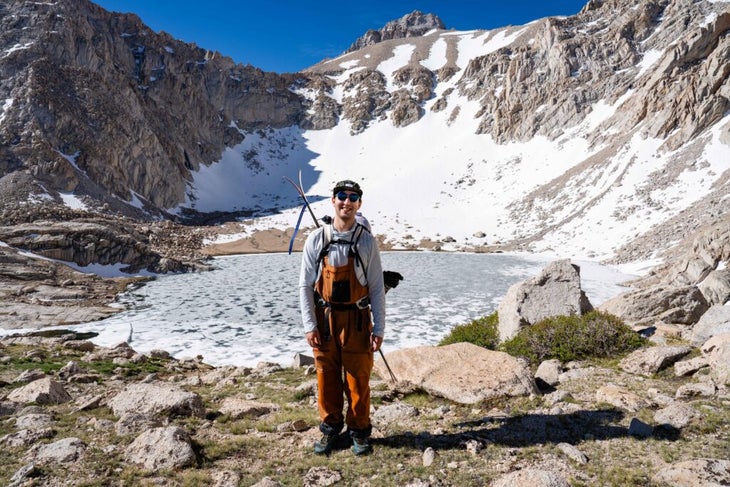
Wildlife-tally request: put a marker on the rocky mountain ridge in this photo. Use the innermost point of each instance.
(659, 67)
(414, 24)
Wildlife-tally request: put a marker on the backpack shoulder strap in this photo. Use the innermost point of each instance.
(326, 241)
(359, 230)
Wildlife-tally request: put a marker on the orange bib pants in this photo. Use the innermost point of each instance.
(344, 361)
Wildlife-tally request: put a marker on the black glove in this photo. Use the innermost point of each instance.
(391, 279)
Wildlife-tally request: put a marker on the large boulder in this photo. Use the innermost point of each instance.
(461, 372)
(714, 322)
(678, 305)
(554, 291)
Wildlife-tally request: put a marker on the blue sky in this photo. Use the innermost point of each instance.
(290, 35)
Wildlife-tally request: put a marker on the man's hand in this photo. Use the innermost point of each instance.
(313, 339)
(375, 342)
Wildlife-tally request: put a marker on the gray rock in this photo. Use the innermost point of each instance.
(320, 476)
(428, 457)
(698, 389)
(34, 421)
(25, 437)
(308, 388)
(133, 423)
(267, 482)
(549, 372)
(683, 305)
(393, 413)
(156, 398)
(29, 375)
(649, 361)
(230, 478)
(620, 398)
(21, 474)
(716, 287)
(572, 452)
(7, 408)
(42, 391)
(717, 352)
(554, 291)
(715, 321)
(640, 429)
(301, 360)
(161, 449)
(529, 477)
(238, 408)
(65, 450)
(707, 472)
(677, 414)
(688, 367)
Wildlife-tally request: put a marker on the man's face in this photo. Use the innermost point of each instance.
(344, 206)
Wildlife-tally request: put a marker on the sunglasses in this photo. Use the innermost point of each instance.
(342, 196)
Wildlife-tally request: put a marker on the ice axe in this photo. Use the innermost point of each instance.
(390, 278)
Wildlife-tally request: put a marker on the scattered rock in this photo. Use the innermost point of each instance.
(706, 472)
(62, 451)
(572, 452)
(677, 415)
(161, 449)
(238, 408)
(531, 478)
(428, 457)
(620, 398)
(648, 361)
(41, 391)
(156, 398)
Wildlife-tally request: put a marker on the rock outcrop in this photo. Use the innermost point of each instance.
(689, 288)
(554, 291)
(413, 24)
(104, 108)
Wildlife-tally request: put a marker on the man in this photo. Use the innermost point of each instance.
(340, 283)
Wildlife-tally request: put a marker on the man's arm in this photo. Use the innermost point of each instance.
(376, 290)
(307, 277)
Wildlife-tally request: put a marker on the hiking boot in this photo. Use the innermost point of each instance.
(361, 446)
(325, 444)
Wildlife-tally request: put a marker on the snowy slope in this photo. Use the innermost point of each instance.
(580, 195)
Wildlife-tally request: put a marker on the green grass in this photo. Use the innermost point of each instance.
(481, 331)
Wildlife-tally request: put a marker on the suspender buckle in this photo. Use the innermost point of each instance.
(363, 303)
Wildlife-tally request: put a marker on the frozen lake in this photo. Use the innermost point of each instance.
(247, 310)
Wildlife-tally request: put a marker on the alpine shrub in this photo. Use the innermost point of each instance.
(481, 331)
(594, 334)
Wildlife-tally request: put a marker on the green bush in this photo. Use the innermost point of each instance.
(566, 338)
(481, 331)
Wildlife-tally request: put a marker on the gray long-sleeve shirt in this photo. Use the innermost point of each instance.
(373, 277)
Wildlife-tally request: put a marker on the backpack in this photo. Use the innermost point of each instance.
(353, 245)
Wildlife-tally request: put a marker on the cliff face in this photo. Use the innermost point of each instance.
(97, 104)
